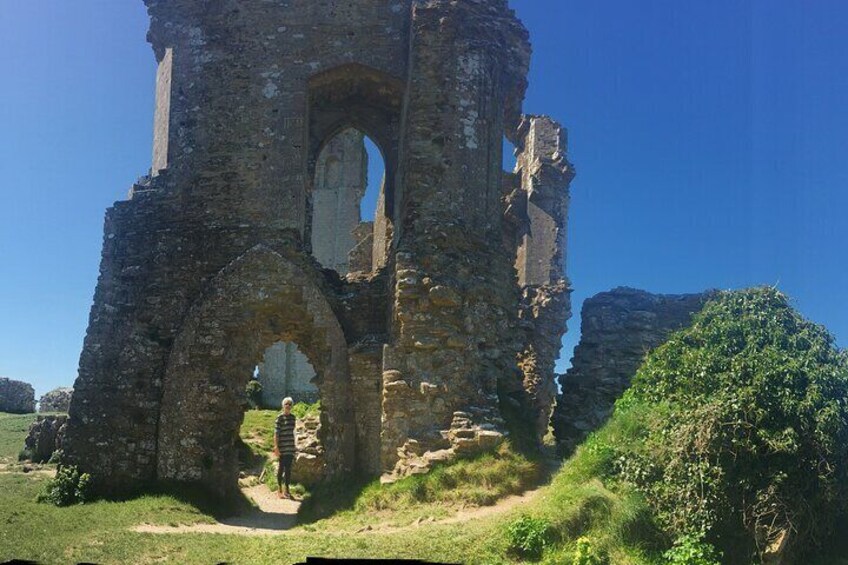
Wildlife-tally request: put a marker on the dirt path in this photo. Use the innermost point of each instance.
(276, 516)
(272, 516)
(463, 515)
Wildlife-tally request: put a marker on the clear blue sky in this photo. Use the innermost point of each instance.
(709, 138)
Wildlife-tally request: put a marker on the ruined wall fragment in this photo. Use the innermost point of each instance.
(539, 211)
(16, 397)
(57, 400)
(619, 328)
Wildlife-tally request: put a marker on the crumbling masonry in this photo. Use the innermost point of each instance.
(418, 325)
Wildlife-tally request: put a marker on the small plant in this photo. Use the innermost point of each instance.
(588, 554)
(529, 537)
(254, 394)
(25, 454)
(691, 549)
(302, 409)
(56, 456)
(68, 487)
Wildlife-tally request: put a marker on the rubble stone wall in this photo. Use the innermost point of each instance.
(45, 436)
(619, 328)
(16, 397)
(286, 371)
(57, 400)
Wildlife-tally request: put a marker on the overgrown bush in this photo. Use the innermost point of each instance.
(68, 487)
(745, 428)
(528, 536)
(254, 394)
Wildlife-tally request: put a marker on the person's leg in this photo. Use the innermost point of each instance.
(289, 460)
(280, 466)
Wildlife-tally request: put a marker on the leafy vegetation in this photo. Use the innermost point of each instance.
(745, 435)
(253, 390)
(528, 537)
(691, 549)
(303, 409)
(69, 486)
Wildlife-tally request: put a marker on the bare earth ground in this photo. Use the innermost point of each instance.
(274, 516)
(271, 516)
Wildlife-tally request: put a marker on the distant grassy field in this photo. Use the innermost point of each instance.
(13, 429)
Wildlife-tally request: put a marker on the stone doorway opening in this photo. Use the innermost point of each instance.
(259, 300)
(351, 231)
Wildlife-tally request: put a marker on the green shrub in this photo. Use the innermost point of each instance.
(745, 429)
(25, 454)
(56, 456)
(68, 487)
(587, 554)
(528, 537)
(254, 394)
(691, 549)
(302, 409)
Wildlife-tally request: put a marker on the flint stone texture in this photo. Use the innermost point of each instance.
(45, 436)
(619, 328)
(16, 397)
(57, 400)
(246, 233)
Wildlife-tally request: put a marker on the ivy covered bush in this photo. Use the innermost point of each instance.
(68, 487)
(743, 443)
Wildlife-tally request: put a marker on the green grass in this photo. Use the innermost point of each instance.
(577, 504)
(13, 430)
(257, 430)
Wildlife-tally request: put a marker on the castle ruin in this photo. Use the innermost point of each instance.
(418, 326)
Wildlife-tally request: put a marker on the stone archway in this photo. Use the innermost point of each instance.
(259, 299)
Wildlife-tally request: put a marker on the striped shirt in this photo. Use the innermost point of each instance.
(284, 430)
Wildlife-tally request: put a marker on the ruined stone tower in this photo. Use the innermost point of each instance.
(450, 303)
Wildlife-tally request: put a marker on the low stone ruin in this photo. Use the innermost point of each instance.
(16, 397)
(619, 328)
(44, 437)
(309, 466)
(57, 400)
(462, 439)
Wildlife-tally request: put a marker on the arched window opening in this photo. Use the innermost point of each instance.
(350, 230)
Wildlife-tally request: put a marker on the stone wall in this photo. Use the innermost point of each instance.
(46, 435)
(57, 400)
(539, 218)
(286, 371)
(341, 177)
(619, 328)
(16, 397)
